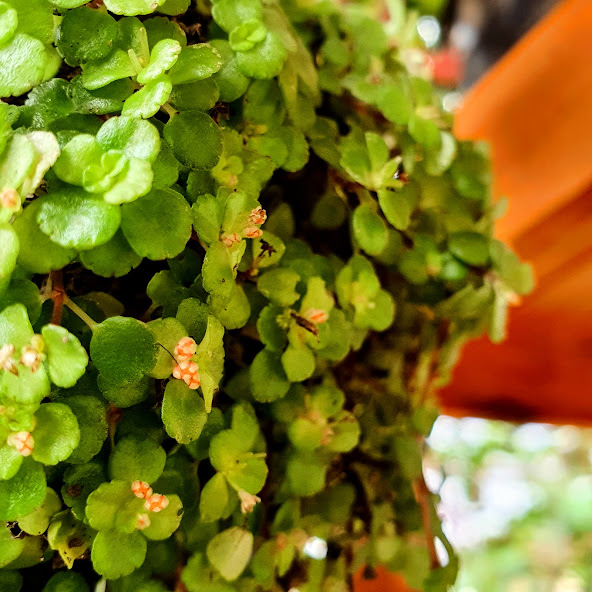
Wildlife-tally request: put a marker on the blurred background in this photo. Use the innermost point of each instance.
(516, 497)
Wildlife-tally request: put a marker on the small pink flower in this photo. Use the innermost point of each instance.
(248, 501)
(185, 349)
(9, 199)
(6, 361)
(316, 315)
(253, 232)
(141, 489)
(156, 502)
(230, 239)
(143, 521)
(22, 441)
(258, 216)
(188, 372)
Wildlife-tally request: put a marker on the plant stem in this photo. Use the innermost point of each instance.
(422, 496)
(57, 295)
(168, 109)
(79, 313)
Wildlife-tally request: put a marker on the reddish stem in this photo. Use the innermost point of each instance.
(57, 295)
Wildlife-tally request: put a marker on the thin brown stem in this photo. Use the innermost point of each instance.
(422, 496)
(57, 295)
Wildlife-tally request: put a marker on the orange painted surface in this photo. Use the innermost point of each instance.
(535, 109)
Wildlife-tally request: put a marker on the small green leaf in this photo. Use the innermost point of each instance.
(158, 225)
(134, 137)
(164, 55)
(470, 247)
(9, 250)
(298, 363)
(10, 461)
(230, 552)
(125, 394)
(167, 333)
(100, 73)
(231, 82)
(148, 100)
(66, 581)
(193, 315)
(369, 230)
(214, 499)
(27, 58)
(10, 549)
(265, 60)
(424, 132)
(279, 286)
(217, 273)
(397, 206)
(247, 35)
(8, 22)
(91, 415)
(164, 523)
(73, 218)
(56, 433)
(305, 474)
(210, 359)
(115, 554)
(113, 259)
(38, 254)
(122, 349)
(105, 503)
(67, 359)
(267, 377)
(134, 459)
(37, 521)
(183, 412)
(201, 95)
(23, 493)
(132, 7)
(229, 14)
(85, 34)
(195, 139)
(195, 62)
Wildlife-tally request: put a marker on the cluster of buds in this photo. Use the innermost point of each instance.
(32, 355)
(6, 359)
(252, 230)
(9, 199)
(22, 441)
(154, 502)
(186, 369)
(316, 315)
(248, 501)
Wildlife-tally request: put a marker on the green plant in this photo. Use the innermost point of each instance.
(239, 248)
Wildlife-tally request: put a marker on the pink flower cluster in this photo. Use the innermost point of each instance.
(155, 502)
(186, 369)
(252, 230)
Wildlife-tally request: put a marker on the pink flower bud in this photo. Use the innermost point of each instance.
(248, 501)
(156, 502)
(22, 441)
(188, 372)
(230, 239)
(141, 489)
(258, 216)
(185, 349)
(252, 232)
(316, 315)
(143, 521)
(9, 199)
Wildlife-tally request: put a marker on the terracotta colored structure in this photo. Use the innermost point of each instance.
(535, 109)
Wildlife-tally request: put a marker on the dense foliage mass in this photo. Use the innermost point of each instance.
(239, 246)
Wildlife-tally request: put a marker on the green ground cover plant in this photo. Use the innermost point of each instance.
(239, 249)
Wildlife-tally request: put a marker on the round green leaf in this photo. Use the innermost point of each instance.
(125, 394)
(37, 521)
(134, 137)
(265, 60)
(35, 18)
(38, 254)
(67, 359)
(195, 139)
(164, 523)
(122, 349)
(115, 554)
(132, 7)
(369, 230)
(230, 551)
(469, 247)
(267, 377)
(298, 363)
(85, 34)
(229, 14)
(105, 503)
(66, 581)
(20, 495)
(195, 62)
(213, 499)
(136, 459)
(10, 548)
(230, 80)
(164, 54)
(174, 7)
(158, 225)
(199, 94)
(8, 22)
(247, 35)
(27, 58)
(91, 415)
(183, 412)
(28, 388)
(56, 433)
(73, 218)
(76, 156)
(113, 259)
(148, 100)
